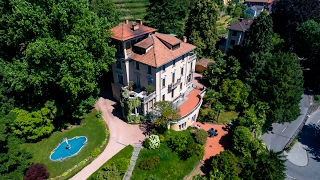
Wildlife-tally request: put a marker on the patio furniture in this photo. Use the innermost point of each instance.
(212, 132)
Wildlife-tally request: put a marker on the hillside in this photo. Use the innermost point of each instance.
(132, 9)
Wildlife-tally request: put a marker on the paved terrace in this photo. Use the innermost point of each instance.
(191, 103)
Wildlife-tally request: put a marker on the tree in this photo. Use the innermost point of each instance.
(32, 126)
(165, 112)
(201, 26)
(167, 16)
(288, 15)
(280, 84)
(257, 48)
(53, 50)
(227, 164)
(242, 139)
(36, 172)
(216, 70)
(201, 136)
(234, 94)
(106, 9)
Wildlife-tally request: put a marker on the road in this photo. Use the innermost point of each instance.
(309, 137)
(278, 137)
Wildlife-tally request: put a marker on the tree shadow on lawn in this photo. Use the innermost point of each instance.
(310, 136)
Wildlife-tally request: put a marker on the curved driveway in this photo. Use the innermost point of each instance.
(121, 134)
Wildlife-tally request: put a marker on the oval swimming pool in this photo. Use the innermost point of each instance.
(62, 152)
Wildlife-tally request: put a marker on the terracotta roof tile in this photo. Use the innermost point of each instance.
(168, 39)
(160, 54)
(124, 32)
(204, 62)
(145, 43)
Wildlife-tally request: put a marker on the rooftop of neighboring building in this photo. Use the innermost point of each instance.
(159, 49)
(255, 7)
(240, 25)
(263, 1)
(204, 62)
(130, 30)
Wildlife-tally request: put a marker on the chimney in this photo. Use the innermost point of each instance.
(135, 26)
(126, 21)
(139, 21)
(240, 19)
(184, 38)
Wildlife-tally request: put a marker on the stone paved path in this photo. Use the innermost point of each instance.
(121, 134)
(134, 157)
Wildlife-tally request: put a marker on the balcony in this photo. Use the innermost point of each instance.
(192, 57)
(137, 92)
(174, 85)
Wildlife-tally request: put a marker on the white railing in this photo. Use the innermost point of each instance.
(192, 57)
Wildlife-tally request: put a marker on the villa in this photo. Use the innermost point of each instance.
(146, 58)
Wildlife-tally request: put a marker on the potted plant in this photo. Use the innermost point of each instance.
(149, 89)
(130, 86)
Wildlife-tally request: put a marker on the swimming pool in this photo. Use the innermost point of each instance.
(75, 145)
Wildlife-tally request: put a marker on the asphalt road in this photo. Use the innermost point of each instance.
(279, 136)
(309, 137)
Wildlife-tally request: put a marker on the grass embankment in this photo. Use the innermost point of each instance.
(170, 166)
(132, 9)
(124, 153)
(222, 24)
(227, 116)
(92, 128)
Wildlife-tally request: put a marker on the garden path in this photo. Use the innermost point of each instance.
(121, 134)
(134, 157)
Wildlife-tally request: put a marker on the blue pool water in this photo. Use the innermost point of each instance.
(61, 152)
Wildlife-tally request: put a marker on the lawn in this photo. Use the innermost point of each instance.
(124, 153)
(92, 128)
(132, 9)
(227, 116)
(170, 167)
(222, 25)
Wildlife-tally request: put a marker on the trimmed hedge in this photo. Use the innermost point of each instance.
(149, 163)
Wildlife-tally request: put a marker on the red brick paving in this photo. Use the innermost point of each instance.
(191, 103)
(216, 144)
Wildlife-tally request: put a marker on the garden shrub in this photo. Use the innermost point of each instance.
(178, 142)
(201, 136)
(109, 173)
(95, 152)
(152, 142)
(104, 142)
(122, 165)
(107, 132)
(149, 163)
(196, 149)
(82, 163)
(161, 137)
(36, 172)
(99, 114)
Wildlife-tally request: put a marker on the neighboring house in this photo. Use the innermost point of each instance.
(202, 64)
(237, 32)
(254, 10)
(266, 3)
(145, 57)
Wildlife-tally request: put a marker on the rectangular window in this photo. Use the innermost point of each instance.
(149, 69)
(174, 62)
(120, 79)
(163, 67)
(193, 118)
(180, 86)
(234, 33)
(137, 65)
(182, 126)
(163, 82)
(118, 64)
(163, 97)
(182, 71)
(191, 69)
(172, 93)
(173, 77)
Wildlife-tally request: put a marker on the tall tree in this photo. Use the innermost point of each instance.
(106, 9)
(165, 112)
(288, 15)
(257, 48)
(53, 50)
(167, 16)
(280, 84)
(226, 163)
(201, 26)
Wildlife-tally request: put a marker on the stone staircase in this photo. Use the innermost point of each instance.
(134, 157)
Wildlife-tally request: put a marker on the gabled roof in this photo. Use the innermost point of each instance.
(241, 25)
(257, 7)
(159, 53)
(168, 39)
(125, 32)
(204, 62)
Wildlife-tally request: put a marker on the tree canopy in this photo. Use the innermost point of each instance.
(167, 16)
(53, 50)
(201, 26)
(106, 9)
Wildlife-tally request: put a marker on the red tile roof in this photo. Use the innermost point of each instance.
(145, 44)
(191, 103)
(160, 54)
(124, 32)
(204, 62)
(168, 39)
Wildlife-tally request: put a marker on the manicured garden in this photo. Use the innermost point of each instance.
(92, 127)
(176, 157)
(119, 162)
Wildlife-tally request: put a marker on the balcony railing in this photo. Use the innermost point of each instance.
(175, 85)
(149, 97)
(192, 57)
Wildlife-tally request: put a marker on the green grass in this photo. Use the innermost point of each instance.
(170, 167)
(124, 153)
(132, 9)
(227, 116)
(92, 128)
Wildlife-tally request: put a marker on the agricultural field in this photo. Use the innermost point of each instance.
(132, 9)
